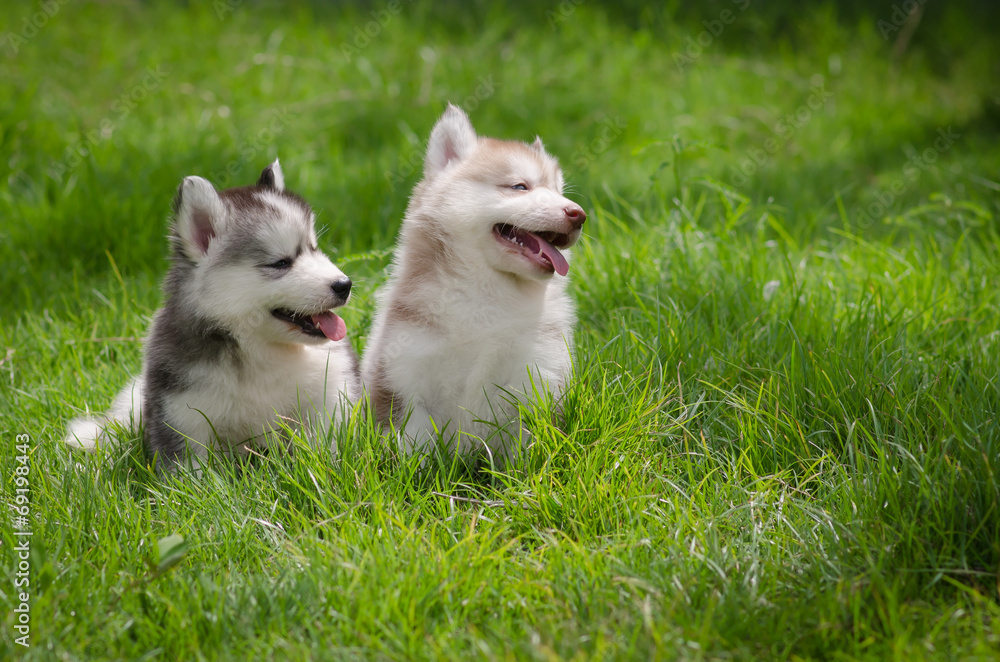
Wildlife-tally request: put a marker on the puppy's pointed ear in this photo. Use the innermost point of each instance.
(199, 217)
(453, 139)
(272, 177)
(538, 146)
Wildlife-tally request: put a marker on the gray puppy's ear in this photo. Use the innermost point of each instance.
(452, 140)
(538, 146)
(272, 177)
(199, 217)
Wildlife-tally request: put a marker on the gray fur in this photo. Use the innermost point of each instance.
(178, 341)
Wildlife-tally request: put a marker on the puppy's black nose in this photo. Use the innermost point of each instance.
(342, 287)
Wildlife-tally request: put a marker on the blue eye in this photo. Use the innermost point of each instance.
(520, 187)
(283, 263)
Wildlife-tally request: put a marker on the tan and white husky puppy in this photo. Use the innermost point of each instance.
(475, 315)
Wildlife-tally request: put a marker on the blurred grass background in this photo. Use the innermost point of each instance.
(78, 117)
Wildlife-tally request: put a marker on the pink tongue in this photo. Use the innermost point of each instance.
(551, 253)
(332, 326)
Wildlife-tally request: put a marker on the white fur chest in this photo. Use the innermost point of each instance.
(477, 357)
(285, 385)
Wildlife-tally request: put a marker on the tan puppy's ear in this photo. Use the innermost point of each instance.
(452, 140)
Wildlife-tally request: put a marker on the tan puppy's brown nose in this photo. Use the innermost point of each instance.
(575, 215)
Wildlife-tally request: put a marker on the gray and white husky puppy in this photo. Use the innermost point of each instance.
(246, 340)
(475, 315)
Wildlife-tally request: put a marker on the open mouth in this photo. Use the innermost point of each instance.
(321, 324)
(540, 248)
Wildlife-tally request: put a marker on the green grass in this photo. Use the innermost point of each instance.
(781, 440)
